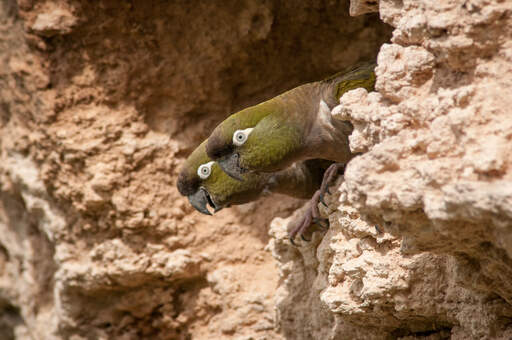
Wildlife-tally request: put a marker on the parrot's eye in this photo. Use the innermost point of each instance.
(205, 170)
(240, 136)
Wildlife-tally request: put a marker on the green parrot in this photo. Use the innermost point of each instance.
(292, 127)
(206, 185)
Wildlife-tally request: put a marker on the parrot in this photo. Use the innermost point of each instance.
(205, 185)
(292, 127)
(295, 125)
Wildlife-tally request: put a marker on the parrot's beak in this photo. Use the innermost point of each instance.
(229, 165)
(200, 200)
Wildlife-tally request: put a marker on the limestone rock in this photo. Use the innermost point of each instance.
(54, 21)
(434, 174)
(100, 101)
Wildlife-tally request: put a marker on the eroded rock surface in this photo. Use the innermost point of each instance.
(434, 179)
(101, 101)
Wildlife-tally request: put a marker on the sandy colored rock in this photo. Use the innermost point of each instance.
(419, 239)
(434, 178)
(54, 21)
(101, 101)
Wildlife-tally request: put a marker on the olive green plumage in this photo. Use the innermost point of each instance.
(245, 118)
(362, 75)
(298, 126)
(218, 190)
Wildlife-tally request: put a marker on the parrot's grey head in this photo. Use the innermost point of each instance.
(192, 180)
(206, 186)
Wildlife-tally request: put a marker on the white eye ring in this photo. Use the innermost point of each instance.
(240, 136)
(204, 170)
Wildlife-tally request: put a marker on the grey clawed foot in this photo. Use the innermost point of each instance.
(312, 215)
(329, 176)
(315, 213)
(323, 202)
(300, 227)
(323, 223)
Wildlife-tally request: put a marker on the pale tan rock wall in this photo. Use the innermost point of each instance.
(435, 178)
(101, 101)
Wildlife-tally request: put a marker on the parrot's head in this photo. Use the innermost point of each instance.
(269, 146)
(228, 136)
(206, 185)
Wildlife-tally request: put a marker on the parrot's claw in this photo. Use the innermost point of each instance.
(321, 222)
(329, 175)
(303, 238)
(301, 226)
(292, 241)
(323, 201)
(313, 214)
(322, 197)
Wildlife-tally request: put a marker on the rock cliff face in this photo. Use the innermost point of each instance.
(420, 244)
(100, 101)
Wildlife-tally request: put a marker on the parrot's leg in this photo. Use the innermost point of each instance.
(312, 215)
(300, 226)
(329, 175)
(315, 212)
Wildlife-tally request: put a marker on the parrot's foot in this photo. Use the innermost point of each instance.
(332, 171)
(312, 216)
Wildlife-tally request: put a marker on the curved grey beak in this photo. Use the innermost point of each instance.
(199, 200)
(229, 165)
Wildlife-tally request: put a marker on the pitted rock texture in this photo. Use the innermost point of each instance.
(434, 177)
(437, 170)
(360, 285)
(358, 7)
(100, 101)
